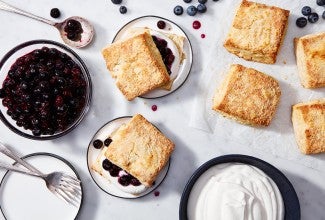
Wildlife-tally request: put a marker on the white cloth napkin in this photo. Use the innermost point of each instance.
(278, 138)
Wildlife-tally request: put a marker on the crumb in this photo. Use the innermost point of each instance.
(284, 62)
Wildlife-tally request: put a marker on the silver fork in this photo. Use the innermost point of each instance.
(62, 185)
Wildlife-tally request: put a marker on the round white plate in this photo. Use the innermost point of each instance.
(171, 27)
(102, 182)
(27, 197)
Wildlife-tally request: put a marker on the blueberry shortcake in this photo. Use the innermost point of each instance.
(144, 61)
(137, 153)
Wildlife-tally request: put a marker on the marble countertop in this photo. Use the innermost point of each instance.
(193, 147)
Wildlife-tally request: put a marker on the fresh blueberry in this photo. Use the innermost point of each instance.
(187, 1)
(55, 13)
(201, 8)
(161, 24)
(323, 15)
(313, 17)
(191, 10)
(123, 9)
(301, 22)
(202, 1)
(320, 2)
(306, 10)
(116, 2)
(97, 144)
(178, 10)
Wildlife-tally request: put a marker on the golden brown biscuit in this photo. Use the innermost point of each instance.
(308, 121)
(310, 56)
(137, 65)
(257, 32)
(247, 96)
(141, 149)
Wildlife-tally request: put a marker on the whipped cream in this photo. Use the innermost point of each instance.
(235, 191)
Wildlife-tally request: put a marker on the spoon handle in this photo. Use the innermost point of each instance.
(7, 7)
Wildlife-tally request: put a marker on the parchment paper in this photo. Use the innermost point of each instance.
(278, 138)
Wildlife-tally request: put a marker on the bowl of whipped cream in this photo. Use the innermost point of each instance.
(233, 187)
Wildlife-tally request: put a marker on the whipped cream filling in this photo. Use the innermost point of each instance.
(235, 191)
(135, 190)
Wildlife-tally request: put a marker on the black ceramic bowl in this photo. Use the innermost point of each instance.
(289, 196)
(10, 58)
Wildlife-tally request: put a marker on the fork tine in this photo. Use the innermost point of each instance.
(72, 178)
(66, 197)
(59, 194)
(74, 190)
(72, 198)
(70, 181)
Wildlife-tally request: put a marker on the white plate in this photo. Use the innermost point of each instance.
(102, 182)
(171, 27)
(26, 197)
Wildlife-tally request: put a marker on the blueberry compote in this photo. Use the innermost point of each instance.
(44, 91)
(73, 30)
(166, 53)
(124, 178)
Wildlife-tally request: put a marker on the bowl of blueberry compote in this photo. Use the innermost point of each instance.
(45, 89)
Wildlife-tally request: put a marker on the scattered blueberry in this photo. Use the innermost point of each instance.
(313, 17)
(301, 22)
(97, 144)
(156, 193)
(154, 108)
(116, 2)
(203, 1)
(196, 24)
(107, 142)
(178, 10)
(191, 10)
(201, 8)
(320, 2)
(187, 1)
(55, 13)
(161, 24)
(123, 9)
(306, 10)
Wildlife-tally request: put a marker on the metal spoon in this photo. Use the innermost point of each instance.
(86, 36)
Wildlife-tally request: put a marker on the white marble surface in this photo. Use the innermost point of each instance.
(193, 147)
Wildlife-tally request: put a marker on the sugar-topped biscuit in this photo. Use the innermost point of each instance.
(247, 96)
(136, 64)
(308, 121)
(140, 149)
(257, 32)
(310, 56)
